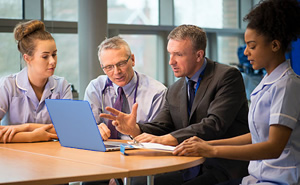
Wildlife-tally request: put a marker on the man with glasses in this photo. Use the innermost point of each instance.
(208, 101)
(122, 86)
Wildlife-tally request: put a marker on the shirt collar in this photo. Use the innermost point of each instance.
(128, 88)
(195, 77)
(23, 83)
(275, 75)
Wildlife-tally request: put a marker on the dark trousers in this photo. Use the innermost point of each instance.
(103, 182)
(205, 177)
(96, 182)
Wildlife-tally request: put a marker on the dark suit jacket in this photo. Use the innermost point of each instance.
(219, 110)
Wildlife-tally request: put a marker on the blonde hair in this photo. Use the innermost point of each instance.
(27, 32)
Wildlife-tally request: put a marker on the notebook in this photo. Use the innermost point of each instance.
(76, 127)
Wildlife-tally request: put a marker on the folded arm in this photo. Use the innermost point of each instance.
(29, 132)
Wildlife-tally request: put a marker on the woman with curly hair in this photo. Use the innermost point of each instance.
(272, 146)
(22, 95)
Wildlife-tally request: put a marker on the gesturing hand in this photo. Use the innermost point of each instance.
(124, 123)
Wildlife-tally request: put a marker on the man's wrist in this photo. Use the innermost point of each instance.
(137, 131)
(169, 140)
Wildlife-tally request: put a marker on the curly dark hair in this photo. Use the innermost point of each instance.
(276, 20)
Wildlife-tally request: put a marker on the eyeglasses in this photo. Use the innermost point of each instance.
(109, 68)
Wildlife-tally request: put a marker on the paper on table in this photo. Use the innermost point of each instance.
(154, 146)
(158, 146)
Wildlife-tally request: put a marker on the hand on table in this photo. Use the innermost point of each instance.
(193, 146)
(7, 132)
(149, 138)
(43, 134)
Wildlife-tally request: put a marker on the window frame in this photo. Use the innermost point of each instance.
(166, 24)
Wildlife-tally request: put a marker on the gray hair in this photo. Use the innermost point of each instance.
(115, 42)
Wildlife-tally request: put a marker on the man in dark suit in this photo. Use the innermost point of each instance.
(214, 106)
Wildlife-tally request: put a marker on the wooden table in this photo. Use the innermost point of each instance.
(49, 163)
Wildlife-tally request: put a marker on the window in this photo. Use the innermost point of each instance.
(11, 9)
(58, 10)
(144, 49)
(227, 49)
(67, 57)
(10, 56)
(208, 14)
(67, 62)
(255, 2)
(147, 42)
(133, 12)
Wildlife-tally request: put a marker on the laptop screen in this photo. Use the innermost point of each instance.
(75, 124)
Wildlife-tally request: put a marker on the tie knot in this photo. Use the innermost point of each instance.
(191, 83)
(120, 91)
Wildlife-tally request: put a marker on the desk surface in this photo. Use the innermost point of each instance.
(19, 167)
(63, 164)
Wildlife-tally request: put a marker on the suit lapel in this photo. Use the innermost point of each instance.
(207, 77)
(183, 104)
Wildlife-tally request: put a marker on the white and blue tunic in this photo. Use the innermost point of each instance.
(276, 100)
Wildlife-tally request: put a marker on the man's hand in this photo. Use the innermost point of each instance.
(124, 123)
(104, 131)
(7, 132)
(149, 138)
(194, 146)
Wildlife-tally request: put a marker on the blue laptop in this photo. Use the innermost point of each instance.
(75, 125)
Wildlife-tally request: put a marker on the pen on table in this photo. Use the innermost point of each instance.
(134, 141)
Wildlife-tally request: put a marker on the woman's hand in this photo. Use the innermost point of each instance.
(8, 132)
(194, 146)
(43, 134)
